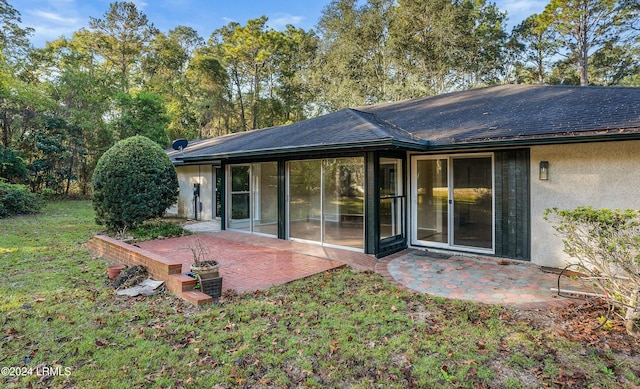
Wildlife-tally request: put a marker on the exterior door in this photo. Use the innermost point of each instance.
(254, 198)
(326, 201)
(452, 202)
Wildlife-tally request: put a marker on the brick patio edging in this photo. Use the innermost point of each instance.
(157, 266)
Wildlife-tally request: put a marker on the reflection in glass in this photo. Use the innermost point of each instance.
(391, 198)
(432, 200)
(326, 201)
(344, 202)
(265, 197)
(473, 202)
(240, 196)
(304, 200)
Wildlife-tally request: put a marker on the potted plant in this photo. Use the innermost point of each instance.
(205, 269)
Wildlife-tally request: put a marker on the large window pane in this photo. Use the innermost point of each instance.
(344, 202)
(304, 200)
(432, 201)
(473, 202)
(265, 197)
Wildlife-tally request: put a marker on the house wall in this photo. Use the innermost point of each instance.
(601, 175)
(187, 176)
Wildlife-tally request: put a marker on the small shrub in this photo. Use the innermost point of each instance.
(133, 181)
(17, 200)
(158, 229)
(606, 244)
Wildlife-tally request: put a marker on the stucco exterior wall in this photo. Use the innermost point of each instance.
(601, 175)
(187, 176)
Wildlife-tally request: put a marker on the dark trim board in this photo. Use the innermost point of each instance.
(512, 204)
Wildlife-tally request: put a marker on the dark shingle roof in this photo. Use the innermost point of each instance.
(343, 129)
(460, 119)
(515, 112)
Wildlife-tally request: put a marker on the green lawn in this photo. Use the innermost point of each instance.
(337, 329)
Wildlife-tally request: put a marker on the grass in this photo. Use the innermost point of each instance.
(336, 329)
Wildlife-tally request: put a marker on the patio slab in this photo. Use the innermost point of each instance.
(480, 279)
(245, 266)
(251, 262)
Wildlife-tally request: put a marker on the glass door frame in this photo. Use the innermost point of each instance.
(216, 177)
(254, 192)
(323, 219)
(450, 203)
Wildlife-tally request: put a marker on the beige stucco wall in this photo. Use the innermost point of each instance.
(601, 175)
(187, 176)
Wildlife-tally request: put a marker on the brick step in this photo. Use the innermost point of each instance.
(179, 283)
(197, 297)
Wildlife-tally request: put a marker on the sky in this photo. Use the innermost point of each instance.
(52, 19)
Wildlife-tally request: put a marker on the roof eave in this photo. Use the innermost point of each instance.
(379, 143)
(535, 141)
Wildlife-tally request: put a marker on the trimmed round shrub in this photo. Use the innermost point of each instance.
(133, 181)
(17, 200)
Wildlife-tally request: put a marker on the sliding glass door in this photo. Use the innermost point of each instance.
(452, 202)
(240, 216)
(254, 198)
(326, 201)
(305, 207)
(473, 202)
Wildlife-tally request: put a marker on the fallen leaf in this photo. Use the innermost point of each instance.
(100, 343)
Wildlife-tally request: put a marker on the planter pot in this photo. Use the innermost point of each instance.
(114, 271)
(211, 286)
(206, 269)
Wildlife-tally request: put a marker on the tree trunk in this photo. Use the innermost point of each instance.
(583, 52)
(256, 92)
(6, 139)
(584, 78)
(243, 119)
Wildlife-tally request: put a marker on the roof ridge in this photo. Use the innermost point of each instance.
(361, 114)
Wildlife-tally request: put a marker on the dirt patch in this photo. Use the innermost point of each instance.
(130, 277)
(583, 322)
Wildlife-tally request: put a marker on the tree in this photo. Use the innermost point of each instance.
(14, 39)
(482, 43)
(54, 156)
(615, 64)
(14, 92)
(585, 26)
(143, 114)
(534, 44)
(212, 94)
(353, 64)
(165, 69)
(123, 36)
(246, 52)
(83, 93)
(134, 181)
(442, 45)
(294, 58)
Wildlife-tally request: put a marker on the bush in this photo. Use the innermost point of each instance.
(133, 181)
(158, 229)
(12, 166)
(606, 245)
(17, 200)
